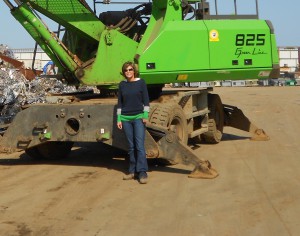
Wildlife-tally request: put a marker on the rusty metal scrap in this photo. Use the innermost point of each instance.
(16, 91)
(7, 59)
(5, 50)
(15, 88)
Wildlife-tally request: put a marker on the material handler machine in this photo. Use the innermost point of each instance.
(171, 41)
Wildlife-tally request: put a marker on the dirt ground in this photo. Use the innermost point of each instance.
(256, 193)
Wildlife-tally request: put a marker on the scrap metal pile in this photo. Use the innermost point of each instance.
(16, 91)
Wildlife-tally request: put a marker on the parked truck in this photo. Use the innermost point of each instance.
(171, 41)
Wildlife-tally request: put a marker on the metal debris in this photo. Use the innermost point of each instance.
(5, 50)
(16, 91)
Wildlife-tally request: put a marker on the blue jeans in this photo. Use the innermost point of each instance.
(135, 134)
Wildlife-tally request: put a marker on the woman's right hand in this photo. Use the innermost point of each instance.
(119, 124)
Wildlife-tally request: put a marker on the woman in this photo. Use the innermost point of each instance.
(132, 114)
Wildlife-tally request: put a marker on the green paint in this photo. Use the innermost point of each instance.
(48, 135)
(106, 135)
(170, 48)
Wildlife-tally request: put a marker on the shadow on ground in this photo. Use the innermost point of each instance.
(94, 155)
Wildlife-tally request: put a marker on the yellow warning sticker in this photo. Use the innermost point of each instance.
(182, 77)
(214, 36)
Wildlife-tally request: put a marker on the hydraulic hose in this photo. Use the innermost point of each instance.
(8, 3)
(18, 2)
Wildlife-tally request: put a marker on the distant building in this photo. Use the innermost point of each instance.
(289, 58)
(26, 55)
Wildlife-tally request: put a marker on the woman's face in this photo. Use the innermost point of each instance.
(129, 72)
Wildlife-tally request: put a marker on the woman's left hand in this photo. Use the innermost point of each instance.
(119, 125)
(145, 121)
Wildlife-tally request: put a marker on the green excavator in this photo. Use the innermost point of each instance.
(171, 42)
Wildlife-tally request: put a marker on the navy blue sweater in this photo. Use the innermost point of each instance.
(133, 98)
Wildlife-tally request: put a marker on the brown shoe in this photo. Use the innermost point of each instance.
(128, 177)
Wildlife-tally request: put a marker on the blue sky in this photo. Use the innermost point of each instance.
(284, 16)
